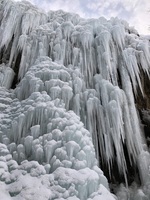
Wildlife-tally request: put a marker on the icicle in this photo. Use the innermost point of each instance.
(118, 34)
(6, 76)
(133, 69)
(67, 29)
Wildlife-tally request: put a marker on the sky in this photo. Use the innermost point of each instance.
(135, 12)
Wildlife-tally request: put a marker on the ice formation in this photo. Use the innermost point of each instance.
(73, 107)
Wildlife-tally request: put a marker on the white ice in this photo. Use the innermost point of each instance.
(74, 106)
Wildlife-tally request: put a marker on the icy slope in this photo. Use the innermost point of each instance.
(74, 103)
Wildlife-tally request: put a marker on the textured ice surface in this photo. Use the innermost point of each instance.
(48, 150)
(6, 76)
(74, 105)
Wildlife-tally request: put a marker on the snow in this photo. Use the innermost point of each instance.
(4, 194)
(74, 106)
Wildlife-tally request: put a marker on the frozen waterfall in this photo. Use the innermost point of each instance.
(69, 105)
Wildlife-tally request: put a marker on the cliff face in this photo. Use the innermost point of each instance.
(143, 105)
(71, 93)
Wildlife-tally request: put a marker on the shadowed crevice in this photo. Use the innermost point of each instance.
(16, 70)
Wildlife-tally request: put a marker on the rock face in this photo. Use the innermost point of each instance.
(143, 105)
(70, 97)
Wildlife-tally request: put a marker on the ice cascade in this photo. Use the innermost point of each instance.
(68, 88)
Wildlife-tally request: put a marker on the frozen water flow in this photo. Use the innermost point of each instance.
(74, 106)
